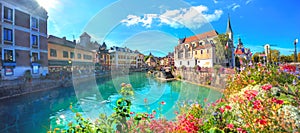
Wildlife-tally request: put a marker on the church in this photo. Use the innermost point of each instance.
(200, 50)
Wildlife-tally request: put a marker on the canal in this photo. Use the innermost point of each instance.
(38, 112)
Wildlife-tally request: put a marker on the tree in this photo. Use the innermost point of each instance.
(287, 58)
(221, 52)
(256, 57)
(273, 55)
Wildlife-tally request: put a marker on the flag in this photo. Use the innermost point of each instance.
(226, 47)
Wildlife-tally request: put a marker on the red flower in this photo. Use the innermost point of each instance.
(163, 103)
(230, 126)
(266, 87)
(221, 110)
(257, 105)
(228, 107)
(262, 122)
(131, 113)
(279, 101)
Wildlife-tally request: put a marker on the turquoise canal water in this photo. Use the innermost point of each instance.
(40, 111)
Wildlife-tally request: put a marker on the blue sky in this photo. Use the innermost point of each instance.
(156, 25)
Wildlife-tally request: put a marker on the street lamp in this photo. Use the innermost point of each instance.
(295, 56)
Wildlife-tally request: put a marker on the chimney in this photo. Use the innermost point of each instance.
(64, 38)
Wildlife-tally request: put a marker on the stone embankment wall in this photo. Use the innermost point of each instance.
(12, 88)
(206, 78)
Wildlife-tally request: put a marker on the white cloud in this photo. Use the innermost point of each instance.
(193, 17)
(248, 1)
(215, 1)
(233, 6)
(146, 20)
(49, 4)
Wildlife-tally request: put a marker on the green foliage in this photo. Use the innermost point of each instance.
(126, 90)
(220, 48)
(179, 77)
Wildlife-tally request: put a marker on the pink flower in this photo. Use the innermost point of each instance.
(221, 110)
(163, 103)
(239, 129)
(230, 126)
(151, 116)
(131, 113)
(228, 107)
(250, 94)
(257, 105)
(266, 87)
(176, 112)
(213, 104)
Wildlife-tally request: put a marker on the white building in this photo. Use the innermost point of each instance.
(196, 50)
(123, 58)
(201, 50)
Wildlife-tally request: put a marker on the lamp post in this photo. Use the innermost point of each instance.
(295, 54)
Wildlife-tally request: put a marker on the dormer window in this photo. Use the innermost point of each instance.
(211, 42)
(201, 43)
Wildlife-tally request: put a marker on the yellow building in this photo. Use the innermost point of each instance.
(66, 55)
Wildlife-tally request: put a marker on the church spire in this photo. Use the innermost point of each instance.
(229, 30)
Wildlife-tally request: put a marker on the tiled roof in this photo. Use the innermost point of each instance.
(238, 52)
(61, 41)
(204, 46)
(201, 36)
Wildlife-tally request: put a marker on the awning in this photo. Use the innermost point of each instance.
(9, 63)
(35, 64)
(67, 63)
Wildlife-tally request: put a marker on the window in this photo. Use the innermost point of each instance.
(34, 22)
(201, 43)
(8, 35)
(72, 55)
(8, 55)
(195, 52)
(207, 51)
(180, 63)
(8, 13)
(34, 40)
(201, 51)
(188, 63)
(87, 57)
(35, 69)
(53, 53)
(79, 56)
(65, 54)
(211, 42)
(35, 57)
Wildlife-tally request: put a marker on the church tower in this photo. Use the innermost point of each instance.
(229, 30)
